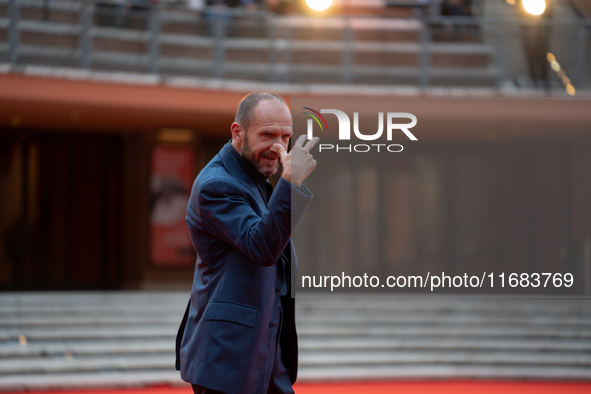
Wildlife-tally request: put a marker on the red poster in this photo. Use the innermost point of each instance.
(170, 187)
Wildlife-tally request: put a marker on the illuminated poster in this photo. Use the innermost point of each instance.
(170, 187)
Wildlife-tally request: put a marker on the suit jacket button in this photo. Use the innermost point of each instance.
(271, 325)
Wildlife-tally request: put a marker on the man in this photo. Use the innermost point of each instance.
(535, 36)
(238, 334)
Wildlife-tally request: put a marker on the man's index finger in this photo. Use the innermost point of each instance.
(300, 141)
(311, 143)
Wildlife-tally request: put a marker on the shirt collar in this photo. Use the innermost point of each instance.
(252, 172)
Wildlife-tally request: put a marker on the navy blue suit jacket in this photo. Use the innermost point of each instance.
(225, 343)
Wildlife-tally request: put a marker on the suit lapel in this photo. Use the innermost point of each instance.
(237, 171)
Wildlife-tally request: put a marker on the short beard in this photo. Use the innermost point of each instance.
(250, 156)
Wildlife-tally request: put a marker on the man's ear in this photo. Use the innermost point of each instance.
(237, 133)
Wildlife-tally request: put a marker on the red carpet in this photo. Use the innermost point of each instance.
(431, 387)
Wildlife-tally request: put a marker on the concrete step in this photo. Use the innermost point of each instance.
(373, 372)
(437, 344)
(95, 333)
(97, 364)
(442, 332)
(94, 347)
(68, 363)
(325, 318)
(70, 381)
(88, 348)
(521, 358)
(455, 319)
(72, 304)
(318, 331)
(80, 321)
(137, 302)
(446, 305)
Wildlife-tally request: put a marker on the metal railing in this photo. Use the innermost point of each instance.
(235, 43)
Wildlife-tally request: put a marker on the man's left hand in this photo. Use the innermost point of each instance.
(298, 163)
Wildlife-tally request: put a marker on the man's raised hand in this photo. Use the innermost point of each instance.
(298, 163)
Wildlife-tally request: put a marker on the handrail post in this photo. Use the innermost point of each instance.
(46, 10)
(347, 69)
(287, 54)
(154, 41)
(500, 55)
(273, 49)
(219, 36)
(13, 33)
(425, 54)
(86, 14)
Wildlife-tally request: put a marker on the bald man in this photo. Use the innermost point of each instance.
(238, 334)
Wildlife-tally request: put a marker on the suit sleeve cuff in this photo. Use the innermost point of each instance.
(302, 189)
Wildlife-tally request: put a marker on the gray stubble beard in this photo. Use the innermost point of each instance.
(248, 155)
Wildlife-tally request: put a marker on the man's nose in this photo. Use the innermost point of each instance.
(279, 141)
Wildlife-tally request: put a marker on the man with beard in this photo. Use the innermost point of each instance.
(238, 333)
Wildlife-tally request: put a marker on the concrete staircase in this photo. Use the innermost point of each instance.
(256, 47)
(126, 339)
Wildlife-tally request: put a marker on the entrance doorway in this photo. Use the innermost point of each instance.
(59, 220)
